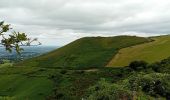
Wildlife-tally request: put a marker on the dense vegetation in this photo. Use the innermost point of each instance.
(89, 52)
(144, 81)
(150, 52)
(34, 79)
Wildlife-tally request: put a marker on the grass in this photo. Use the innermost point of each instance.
(150, 52)
(73, 84)
(24, 83)
(84, 53)
(6, 64)
(43, 77)
(35, 83)
(33, 79)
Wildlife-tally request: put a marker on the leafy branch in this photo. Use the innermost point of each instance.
(14, 40)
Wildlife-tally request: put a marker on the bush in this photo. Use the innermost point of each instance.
(79, 71)
(155, 67)
(162, 66)
(63, 71)
(107, 91)
(153, 84)
(138, 65)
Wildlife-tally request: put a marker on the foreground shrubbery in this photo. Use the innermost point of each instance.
(108, 91)
(147, 81)
(161, 67)
(154, 84)
(142, 82)
(138, 65)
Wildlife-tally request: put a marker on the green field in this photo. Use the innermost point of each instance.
(151, 52)
(84, 53)
(24, 83)
(35, 83)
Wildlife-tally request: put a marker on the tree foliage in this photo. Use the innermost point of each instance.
(13, 40)
(104, 90)
(137, 65)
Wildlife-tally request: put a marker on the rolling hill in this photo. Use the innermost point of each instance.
(88, 52)
(43, 77)
(151, 52)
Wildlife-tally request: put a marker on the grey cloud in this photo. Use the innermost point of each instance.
(51, 18)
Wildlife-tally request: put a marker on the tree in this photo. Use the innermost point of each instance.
(14, 40)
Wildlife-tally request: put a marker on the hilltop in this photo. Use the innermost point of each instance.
(88, 52)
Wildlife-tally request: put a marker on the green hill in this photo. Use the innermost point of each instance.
(151, 52)
(42, 78)
(88, 52)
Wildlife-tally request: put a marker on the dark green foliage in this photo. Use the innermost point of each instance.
(155, 67)
(63, 71)
(104, 90)
(84, 53)
(138, 65)
(123, 83)
(153, 84)
(79, 71)
(142, 82)
(162, 66)
(74, 83)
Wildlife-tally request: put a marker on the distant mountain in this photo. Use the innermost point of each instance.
(88, 52)
(29, 52)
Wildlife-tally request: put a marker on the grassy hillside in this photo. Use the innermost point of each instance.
(34, 83)
(41, 78)
(150, 52)
(24, 83)
(89, 52)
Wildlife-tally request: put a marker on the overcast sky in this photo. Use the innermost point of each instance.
(58, 22)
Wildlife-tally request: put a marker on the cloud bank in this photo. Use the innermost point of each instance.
(57, 22)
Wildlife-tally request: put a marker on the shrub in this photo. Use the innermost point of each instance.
(63, 71)
(153, 84)
(162, 66)
(107, 91)
(79, 71)
(155, 67)
(138, 65)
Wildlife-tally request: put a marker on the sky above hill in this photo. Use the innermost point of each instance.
(58, 22)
